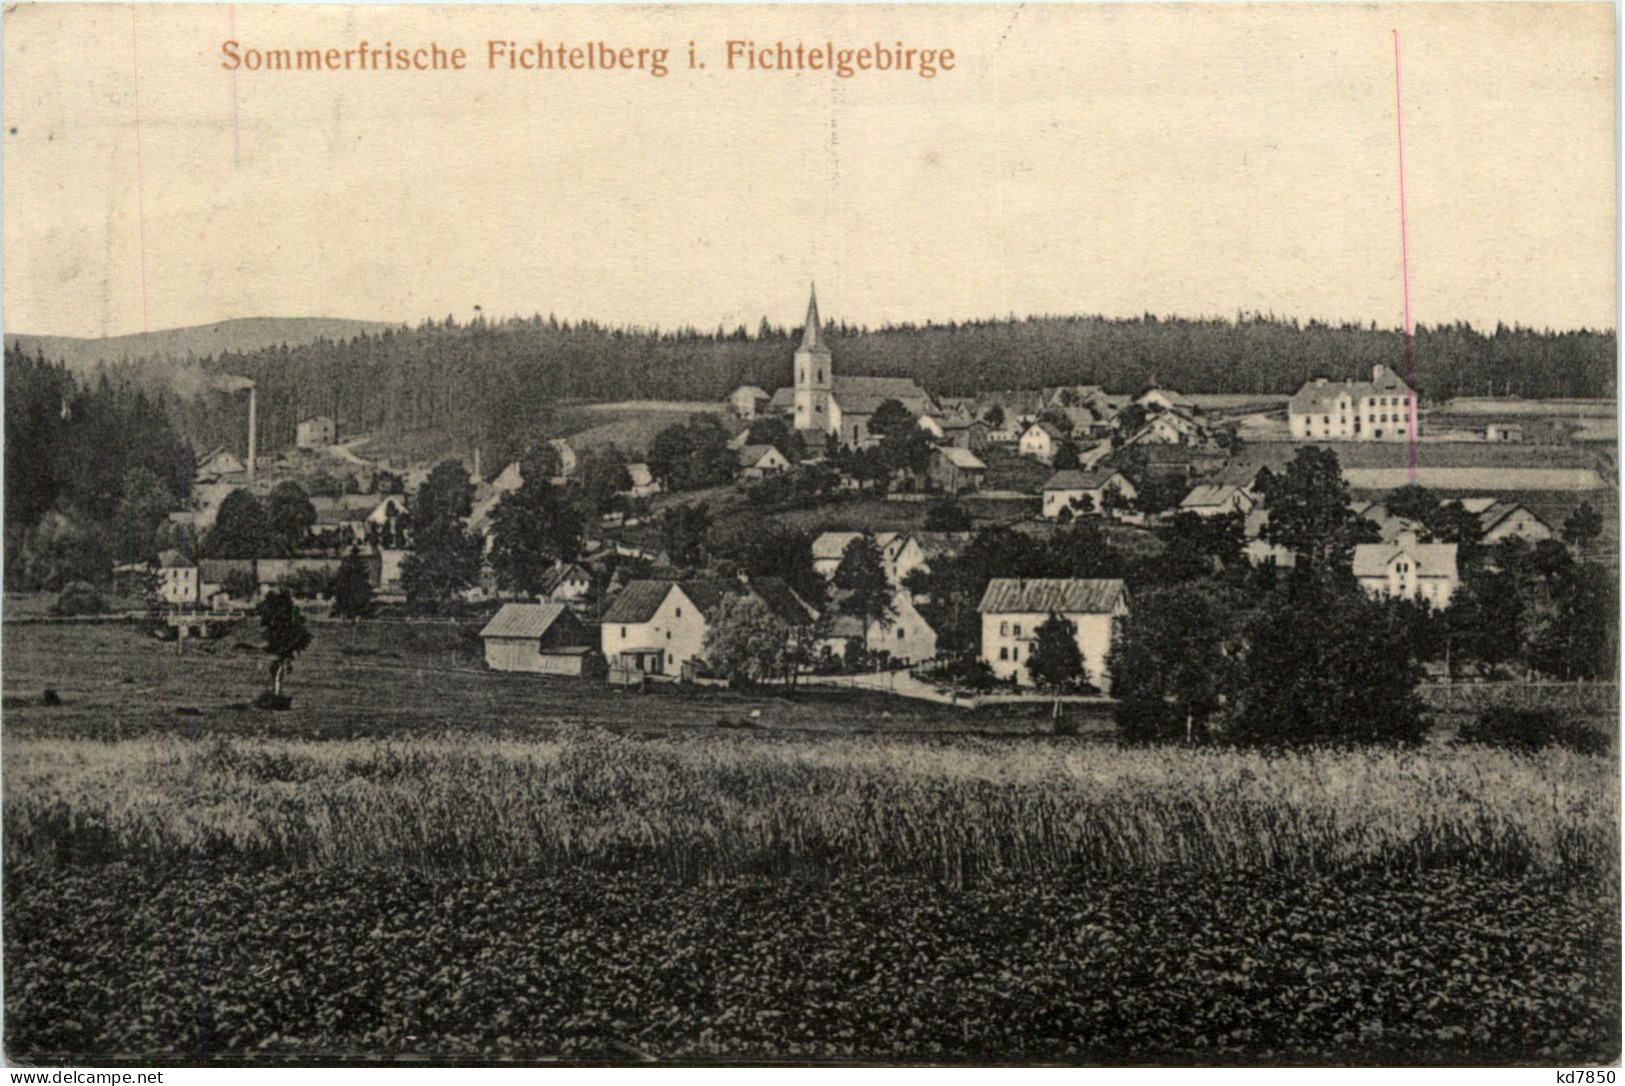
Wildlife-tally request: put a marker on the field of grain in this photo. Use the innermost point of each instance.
(425, 861)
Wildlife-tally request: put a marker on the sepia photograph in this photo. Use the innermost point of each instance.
(834, 535)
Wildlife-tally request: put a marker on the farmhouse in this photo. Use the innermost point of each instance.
(909, 638)
(541, 637)
(755, 461)
(568, 584)
(1170, 428)
(1390, 525)
(843, 406)
(315, 432)
(1408, 570)
(965, 433)
(1040, 440)
(954, 469)
(658, 627)
(1012, 609)
(1216, 500)
(1069, 489)
(1381, 409)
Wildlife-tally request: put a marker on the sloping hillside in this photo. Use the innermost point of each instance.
(196, 341)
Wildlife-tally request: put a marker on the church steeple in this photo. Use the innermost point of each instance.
(812, 333)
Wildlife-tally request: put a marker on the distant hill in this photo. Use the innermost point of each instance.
(197, 341)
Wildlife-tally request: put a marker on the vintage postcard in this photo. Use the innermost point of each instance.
(963, 534)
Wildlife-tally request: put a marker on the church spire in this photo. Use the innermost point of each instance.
(812, 333)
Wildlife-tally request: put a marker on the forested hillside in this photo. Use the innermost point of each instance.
(499, 384)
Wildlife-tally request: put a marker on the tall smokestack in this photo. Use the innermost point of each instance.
(253, 431)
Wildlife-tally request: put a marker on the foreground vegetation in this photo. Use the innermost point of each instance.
(708, 807)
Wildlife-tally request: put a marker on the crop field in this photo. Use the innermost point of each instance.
(632, 426)
(423, 861)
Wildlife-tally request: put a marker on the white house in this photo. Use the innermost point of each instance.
(1068, 489)
(1170, 428)
(567, 584)
(178, 583)
(656, 627)
(1381, 409)
(756, 461)
(315, 432)
(748, 401)
(1408, 570)
(909, 638)
(1164, 399)
(540, 637)
(1013, 609)
(1040, 440)
(1217, 500)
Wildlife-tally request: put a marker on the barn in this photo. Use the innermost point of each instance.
(542, 637)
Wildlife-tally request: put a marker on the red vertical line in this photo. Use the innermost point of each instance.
(1404, 264)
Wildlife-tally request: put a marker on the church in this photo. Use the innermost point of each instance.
(827, 403)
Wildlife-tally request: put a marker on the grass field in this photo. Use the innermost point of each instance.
(426, 861)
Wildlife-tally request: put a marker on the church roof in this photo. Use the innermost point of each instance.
(862, 395)
(812, 333)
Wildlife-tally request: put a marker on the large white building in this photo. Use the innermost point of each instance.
(656, 627)
(1381, 409)
(1408, 570)
(1014, 608)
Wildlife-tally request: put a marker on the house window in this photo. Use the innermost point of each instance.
(623, 631)
(1004, 629)
(820, 375)
(1004, 654)
(1018, 629)
(679, 612)
(668, 635)
(899, 633)
(1015, 652)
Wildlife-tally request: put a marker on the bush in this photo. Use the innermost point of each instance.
(80, 598)
(1532, 729)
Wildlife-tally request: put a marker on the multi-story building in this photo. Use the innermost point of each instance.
(1408, 570)
(1381, 409)
(1014, 608)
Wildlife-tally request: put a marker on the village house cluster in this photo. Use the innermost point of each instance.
(1044, 457)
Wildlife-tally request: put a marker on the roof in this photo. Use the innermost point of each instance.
(1074, 479)
(750, 390)
(315, 418)
(527, 620)
(1431, 559)
(1211, 494)
(1477, 506)
(559, 574)
(639, 600)
(215, 570)
(961, 458)
(1501, 510)
(751, 455)
(640, 474)
(784, 398)
(834, 544)
(864, 395)
(1049, 428)
(173, 559)
(1319, 396)
(1068, 595)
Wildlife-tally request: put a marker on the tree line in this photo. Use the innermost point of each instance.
(499, 384)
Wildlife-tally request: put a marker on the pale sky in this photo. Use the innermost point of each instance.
(1088, 159)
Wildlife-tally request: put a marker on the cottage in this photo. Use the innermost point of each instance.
(1408, 570)
(542, 637)
(568, 584)
(1217, 500)
(1381, 409)
(1171, 428)
(1084, 491)
(908, 638)
(315, 432)
(1500, 431)
(756, 461)
(1165, 399)
(1500, 520)
(1390, 525)
(1013, 609)
(1041, 440)
(955, 470)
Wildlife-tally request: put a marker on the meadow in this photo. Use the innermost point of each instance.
(424, 862)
